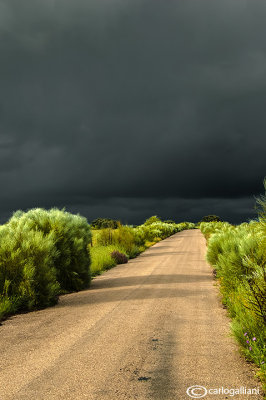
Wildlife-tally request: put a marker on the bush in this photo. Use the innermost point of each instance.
(152, 220)
(211, 218)
(207, 228)
(27, 273)
(119, 258)
(238, 253)
(71, 235)
(124, 238)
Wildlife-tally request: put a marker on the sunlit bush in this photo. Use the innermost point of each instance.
(152, 220)
(238, 253)
(27, 273)
(71, 237)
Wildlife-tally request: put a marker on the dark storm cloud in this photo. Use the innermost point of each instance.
(127, 108)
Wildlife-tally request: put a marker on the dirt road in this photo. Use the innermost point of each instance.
(148, 329)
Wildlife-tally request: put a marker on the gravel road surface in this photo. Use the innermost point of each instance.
(145, 330)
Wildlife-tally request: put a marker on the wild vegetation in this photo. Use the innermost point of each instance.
(129, 241)
(238, 254)
(44, 253)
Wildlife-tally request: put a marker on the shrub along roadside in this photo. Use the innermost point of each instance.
(27, 273)
(129, 241)
(238, 254)
(71, 237)
(42, 254)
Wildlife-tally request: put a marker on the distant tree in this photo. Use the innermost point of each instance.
(102, 223)
(211, 218)
(152, 219)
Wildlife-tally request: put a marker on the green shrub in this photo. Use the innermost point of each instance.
(27, 276)
(124, 238)
(238, 253)
(152, 220)
(185, 225)
(71, 235)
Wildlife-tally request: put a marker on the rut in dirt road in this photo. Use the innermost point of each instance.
(148, 329)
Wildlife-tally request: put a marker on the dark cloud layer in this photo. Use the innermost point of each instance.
(126, 108)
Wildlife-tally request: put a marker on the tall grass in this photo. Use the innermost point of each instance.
(101, 259)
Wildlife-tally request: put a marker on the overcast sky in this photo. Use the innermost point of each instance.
(130, 108)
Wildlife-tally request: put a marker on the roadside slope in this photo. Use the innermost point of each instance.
(145, 330)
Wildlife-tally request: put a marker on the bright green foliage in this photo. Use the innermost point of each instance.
(27, 276)
(124, 238)
(208, 228)
(152, 220)
(159, 230)
(71, 235)
(238, 253)
(101, 259)
(105, 237)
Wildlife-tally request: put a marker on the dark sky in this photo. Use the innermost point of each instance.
(130, 108)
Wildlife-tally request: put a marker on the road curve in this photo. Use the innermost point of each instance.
(148, 329)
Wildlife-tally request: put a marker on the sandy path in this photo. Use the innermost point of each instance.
(148, 329)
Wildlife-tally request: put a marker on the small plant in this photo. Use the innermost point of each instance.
(119, 258)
